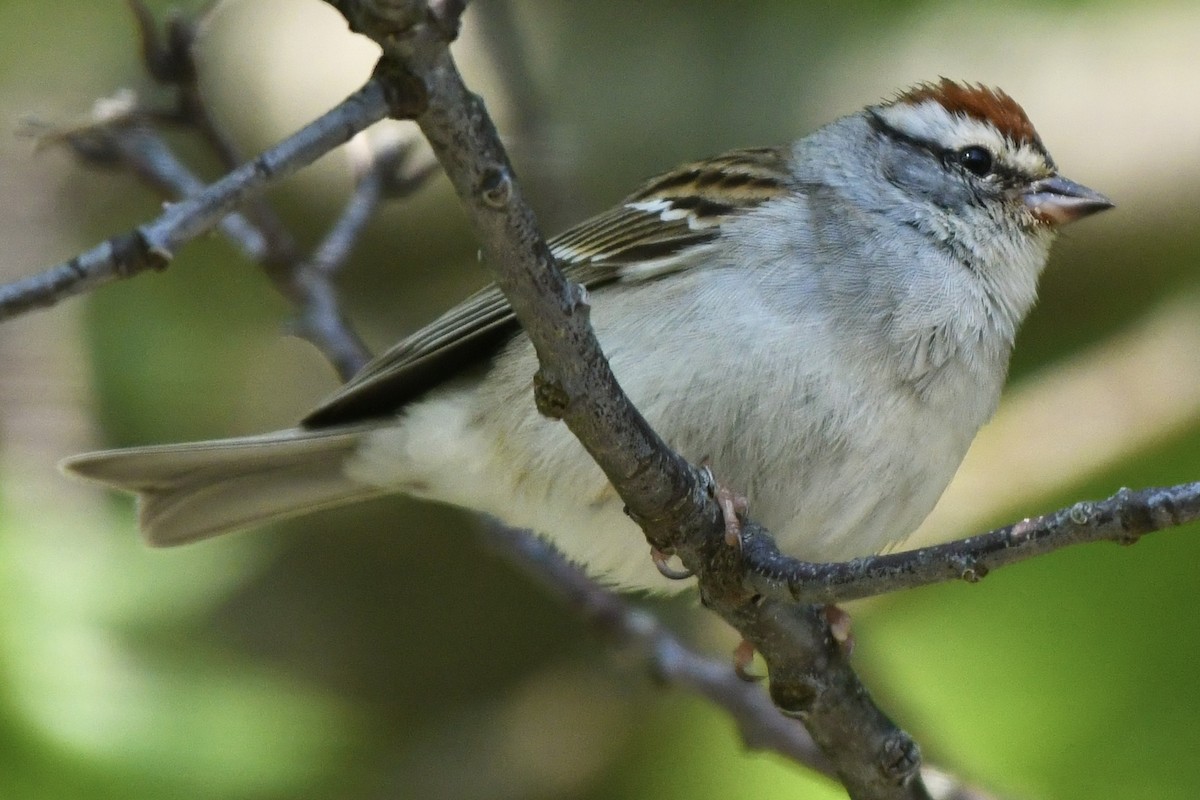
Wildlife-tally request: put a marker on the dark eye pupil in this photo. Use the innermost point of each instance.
(976, 160)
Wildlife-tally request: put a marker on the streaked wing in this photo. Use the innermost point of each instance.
(659, 229)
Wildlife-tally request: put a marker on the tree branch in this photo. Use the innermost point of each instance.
(1122, 518)
(308, 283)
(385, 171)
(673, 501)
(761, 724)
(152, 246)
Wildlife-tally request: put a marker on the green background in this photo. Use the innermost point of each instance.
(383, 651)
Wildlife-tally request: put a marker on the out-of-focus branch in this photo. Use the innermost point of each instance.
(169, 57)
(168, 54)
(761, 724)
(545, 148)
(152, 245)
(386, 171)
(123, 137)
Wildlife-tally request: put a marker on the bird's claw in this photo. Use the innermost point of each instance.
(743, 657)
(733, 507)
(666, 570)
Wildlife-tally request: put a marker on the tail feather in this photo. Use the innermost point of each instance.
(202, 489)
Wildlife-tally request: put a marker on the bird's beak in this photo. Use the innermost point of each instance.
(1057, 201)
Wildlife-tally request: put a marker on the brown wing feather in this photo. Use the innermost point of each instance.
(665, 220)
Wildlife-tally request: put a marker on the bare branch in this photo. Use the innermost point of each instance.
(385, 172)
(141, 150)
(761, 724)
(810, 675)
(153, 245)
(138, 146)
(448, 15)
(169, 57)
(166, 54)
(1122, 518)
(130, 143)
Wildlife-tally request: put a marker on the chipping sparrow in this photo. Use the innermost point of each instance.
(827, 323)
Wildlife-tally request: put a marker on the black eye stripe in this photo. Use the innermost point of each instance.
(1005, 174)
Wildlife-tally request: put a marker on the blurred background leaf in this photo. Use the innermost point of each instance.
(382, 651)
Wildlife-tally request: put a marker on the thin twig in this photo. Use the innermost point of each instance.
(1122, 518)
(384, 171)
(307, 283)
(387, 172)
(144, 152)
(169, 56)
(140, 147)
(153, 245)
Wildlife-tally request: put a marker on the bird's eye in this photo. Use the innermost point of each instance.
(975, 160)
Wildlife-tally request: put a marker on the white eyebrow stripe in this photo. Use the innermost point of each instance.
(930, 121)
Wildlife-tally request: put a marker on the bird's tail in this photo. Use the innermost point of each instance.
(197, 490)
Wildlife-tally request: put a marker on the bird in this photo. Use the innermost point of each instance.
(826, 324)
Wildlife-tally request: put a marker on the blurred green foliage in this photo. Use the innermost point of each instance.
(383, 651)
